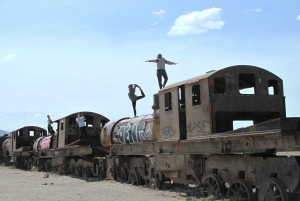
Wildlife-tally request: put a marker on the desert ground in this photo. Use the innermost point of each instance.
(22, 185)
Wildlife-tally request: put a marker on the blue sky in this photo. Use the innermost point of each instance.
(60, 57)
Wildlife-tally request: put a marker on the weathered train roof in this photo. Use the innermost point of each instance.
(84, 113)
(211, 73)
(27, 127)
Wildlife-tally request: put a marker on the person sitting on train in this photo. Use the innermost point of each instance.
(133, 97)
(80, 120)
(161, 69)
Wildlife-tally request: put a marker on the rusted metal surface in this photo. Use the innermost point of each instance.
(189, 139)
(67, 130)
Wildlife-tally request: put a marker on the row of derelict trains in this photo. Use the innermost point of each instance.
(189, 138)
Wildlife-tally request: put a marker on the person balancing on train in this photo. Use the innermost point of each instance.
(133, 97)
(161, 70)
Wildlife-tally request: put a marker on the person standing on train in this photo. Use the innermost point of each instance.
(133, 97)
(80, 120)
(50, 128)
(161, 69)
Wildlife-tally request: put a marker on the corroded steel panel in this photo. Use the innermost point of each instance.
(198, 119)
(169, 120)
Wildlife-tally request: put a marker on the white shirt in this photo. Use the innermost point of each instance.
(49, 121)
(80, 121)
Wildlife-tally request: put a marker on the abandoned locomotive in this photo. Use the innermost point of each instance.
(190, 139)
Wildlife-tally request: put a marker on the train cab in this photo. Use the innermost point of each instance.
(212, 102)
(68, 132)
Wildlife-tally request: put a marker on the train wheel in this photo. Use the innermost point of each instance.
(240, 190)
(111, 173)
(213, 186)
(78, 170)
(48, 166)
(124, 174)
(272, 189)
(100, 174)
(71, 170)
(86, 172)
(154, 184)
(29, 164)
(134, 178)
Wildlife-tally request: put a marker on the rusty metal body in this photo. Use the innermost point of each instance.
(195, 142)
(4, 149)
(68, 154)
(189, 139)
(20, 144)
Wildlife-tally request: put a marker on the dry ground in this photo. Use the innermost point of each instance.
(22, 185)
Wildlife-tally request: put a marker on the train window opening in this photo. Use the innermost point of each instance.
(220, 86)
(72, 121)
(273, 87)
(55, 126)
(241, 175)
(241, 123)
(273, 175)
(18, 134)
(62, 125)
(196, 95)
(102, 124)
(227, 121)
(31, 133)
(181, 96)
(215, 171)
(89, 120)
(247, 83)
(168, 101)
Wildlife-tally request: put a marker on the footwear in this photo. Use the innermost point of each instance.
(163, 86)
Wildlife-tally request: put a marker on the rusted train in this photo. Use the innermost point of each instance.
(17, 149)
(189, 139)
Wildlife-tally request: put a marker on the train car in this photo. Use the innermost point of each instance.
(190, 138)
(18, 148)
(3, 140)
(65, 153)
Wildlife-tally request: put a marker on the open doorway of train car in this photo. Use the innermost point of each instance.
(182, 112)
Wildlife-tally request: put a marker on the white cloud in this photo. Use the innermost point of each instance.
(159, 13)
(197, 22)
(257, 10)
(37, 115)
(155, 23)
(8, 57)
(298, 17)
(33, 109)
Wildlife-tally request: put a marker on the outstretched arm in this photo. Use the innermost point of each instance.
(152, 60)
(170, 63)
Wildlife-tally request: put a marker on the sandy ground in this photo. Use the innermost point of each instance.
(22, 185)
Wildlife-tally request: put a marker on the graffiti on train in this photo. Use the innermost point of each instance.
(134, 133)
(168, 130)
(197, 127)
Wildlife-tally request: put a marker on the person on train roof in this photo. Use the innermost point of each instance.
(49, 126)
(161, 69)
(133, 97)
